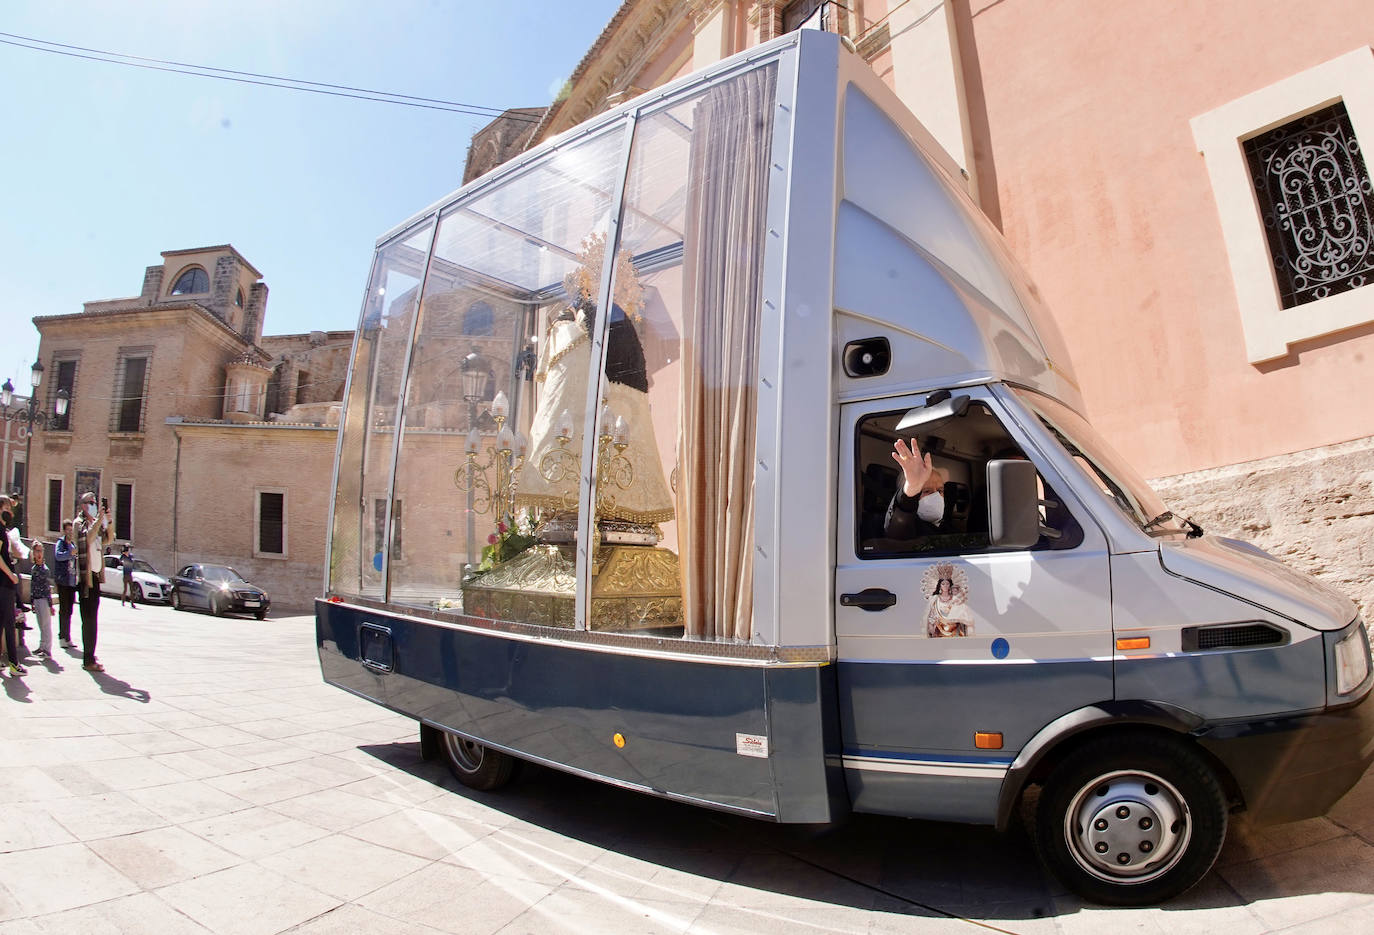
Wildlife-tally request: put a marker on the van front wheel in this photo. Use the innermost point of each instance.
(1131, 821)
(476, 766)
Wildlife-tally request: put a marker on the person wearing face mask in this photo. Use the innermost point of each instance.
(93, 531)
(918, 507)
(9, 590)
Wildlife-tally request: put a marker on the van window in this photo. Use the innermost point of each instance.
(890, 525)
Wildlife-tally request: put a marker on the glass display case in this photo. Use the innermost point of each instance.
(551, 412)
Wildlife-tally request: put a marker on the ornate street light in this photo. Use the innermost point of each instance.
(31, 416)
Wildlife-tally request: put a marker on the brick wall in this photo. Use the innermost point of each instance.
(222, 469)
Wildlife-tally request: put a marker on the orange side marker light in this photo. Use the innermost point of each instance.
(987, 740)
(1133, 642)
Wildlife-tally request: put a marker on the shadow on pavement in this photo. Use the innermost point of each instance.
(893, 865)
(113, 686)
(17, 690)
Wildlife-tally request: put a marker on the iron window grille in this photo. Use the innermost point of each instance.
(1314, 195)
(131, 392)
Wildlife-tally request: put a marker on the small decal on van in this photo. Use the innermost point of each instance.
(751, 745)
(946, 588)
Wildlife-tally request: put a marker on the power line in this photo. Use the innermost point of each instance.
(256, 78)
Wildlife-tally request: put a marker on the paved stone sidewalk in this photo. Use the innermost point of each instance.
(210, 782)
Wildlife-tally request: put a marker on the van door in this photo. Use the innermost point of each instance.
(951, 655)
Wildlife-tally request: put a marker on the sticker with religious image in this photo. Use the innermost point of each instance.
(946, 589)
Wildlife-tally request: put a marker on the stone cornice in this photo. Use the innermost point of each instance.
(637, 31)
(181, 423)
(218, 248)
(166, 312)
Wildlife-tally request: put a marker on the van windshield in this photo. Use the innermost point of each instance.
(1103, 466)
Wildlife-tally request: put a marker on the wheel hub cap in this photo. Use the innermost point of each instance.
(1127, 827)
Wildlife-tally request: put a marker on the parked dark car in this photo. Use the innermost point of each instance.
(219, 589)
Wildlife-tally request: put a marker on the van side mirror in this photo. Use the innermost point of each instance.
(928, 417)
(1013, 505)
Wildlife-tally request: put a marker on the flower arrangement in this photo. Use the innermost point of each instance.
(508, 541)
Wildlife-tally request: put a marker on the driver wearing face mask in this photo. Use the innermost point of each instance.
(919, 505)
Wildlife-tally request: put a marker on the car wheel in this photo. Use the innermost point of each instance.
(260, 614)
(216, 607)
(176, 601)
(476, 766)
(137, 593)
(1131, 820)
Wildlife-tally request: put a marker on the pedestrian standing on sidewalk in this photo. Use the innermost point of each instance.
(40, 598)
(9, 590)
(126, 567)
(64, 576)
(93, 532)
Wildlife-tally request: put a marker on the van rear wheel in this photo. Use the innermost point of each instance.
(1131, 820)
(474, 765)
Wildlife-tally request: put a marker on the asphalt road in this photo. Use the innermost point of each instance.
(208, 781)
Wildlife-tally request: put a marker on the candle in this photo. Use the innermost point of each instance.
(474, 442)
(500, 406)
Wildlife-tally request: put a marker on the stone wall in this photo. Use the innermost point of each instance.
(1313, 509)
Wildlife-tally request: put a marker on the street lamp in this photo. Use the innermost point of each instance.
(474, 374)
(33, 418)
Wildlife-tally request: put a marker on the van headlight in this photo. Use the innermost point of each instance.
(1352, 661)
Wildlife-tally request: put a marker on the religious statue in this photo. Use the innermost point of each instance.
(633, 495)
(947, 612)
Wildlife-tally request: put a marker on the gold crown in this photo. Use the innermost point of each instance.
(583, 282)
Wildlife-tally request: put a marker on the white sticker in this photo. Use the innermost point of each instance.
(751, 745)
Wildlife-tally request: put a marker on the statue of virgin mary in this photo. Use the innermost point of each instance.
(634, 497)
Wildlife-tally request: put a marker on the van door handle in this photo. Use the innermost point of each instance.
(872, 599)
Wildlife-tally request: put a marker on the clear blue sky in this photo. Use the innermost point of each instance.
(104, 166)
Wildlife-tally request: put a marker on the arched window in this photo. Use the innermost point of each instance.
(238, 298)
(191, 282)
(478, 319)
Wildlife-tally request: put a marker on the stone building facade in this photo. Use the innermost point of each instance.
(1132, 155)
(14, 434)
(211, 442)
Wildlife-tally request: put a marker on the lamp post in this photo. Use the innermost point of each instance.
(33, 420)
(475, 372)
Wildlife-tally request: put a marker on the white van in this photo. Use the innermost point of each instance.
(672, 547)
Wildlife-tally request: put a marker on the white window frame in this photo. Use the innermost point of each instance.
(114, 504)
(61, 507)
(12, 482)
(1270, 329)
(257, 522)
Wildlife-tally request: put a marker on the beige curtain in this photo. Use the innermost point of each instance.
(723, 267)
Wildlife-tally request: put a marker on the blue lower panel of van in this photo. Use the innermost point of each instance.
(908, 729)
(561, 703)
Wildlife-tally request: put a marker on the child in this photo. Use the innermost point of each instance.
(40, 596)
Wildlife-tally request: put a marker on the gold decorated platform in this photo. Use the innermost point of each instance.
(634, 587)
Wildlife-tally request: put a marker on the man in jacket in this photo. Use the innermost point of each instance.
(93, 531)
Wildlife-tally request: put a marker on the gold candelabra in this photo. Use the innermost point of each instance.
(614, 471)
(493, 483)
